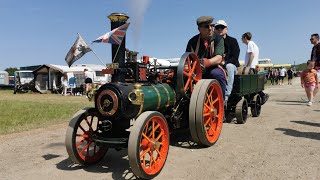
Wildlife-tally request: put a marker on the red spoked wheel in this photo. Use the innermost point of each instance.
(188, 74)
(148, 144)
(79, 143)
(206, 112)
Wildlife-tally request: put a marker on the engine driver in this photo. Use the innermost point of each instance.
(209, 48)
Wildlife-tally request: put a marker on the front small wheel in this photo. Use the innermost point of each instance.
(79, 137)
(148, 144)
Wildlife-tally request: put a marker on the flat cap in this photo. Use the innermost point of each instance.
(204, 20)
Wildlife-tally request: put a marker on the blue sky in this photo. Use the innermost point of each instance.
(41, 32)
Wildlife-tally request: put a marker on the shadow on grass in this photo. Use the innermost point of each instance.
(115, 162)
(295, 133)
(307, 123)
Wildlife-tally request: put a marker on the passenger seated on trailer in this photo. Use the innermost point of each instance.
(251, 59)
(231, 55)
(209, 48)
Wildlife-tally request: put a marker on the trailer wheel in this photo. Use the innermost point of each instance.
(256, 107)
(206, 112)
(242, 111)
(148, 144)
(188, 74)
(80, 146)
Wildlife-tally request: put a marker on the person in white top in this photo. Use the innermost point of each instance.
(251, 60)
(252, 53)
(282, 75)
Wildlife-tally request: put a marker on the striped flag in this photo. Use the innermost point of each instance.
(78, 49)
(115, 36)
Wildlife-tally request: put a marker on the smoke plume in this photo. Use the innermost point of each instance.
(137, 9)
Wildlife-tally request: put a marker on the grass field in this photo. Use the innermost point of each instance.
(19, 112)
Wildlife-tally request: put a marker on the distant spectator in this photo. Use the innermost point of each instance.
(64, 82)
(272, 76)
(282, 75)
(309, 81)
(88, 80)
(315, 53)
(276, 76)
(290, 76)
(72, 85)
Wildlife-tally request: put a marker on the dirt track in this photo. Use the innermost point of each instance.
(283, 143)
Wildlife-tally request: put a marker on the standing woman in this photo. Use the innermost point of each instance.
(88, 81)
(64, 81)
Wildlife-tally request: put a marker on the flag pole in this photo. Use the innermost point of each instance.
(95, 53)
(117, 52)
(98, 57)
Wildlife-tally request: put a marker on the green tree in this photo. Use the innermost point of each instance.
(301, 67)
(11, 70)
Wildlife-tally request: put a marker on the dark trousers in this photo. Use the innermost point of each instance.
(219, 75)
(272, 79)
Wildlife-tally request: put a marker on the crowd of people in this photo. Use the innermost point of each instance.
(277, 76)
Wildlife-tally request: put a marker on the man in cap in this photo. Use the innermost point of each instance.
(231, 51)
(209, 48)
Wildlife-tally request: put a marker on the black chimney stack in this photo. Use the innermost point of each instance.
(118, 19)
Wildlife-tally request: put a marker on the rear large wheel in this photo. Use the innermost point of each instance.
(80, 146)
(206, 112)
(148, 144)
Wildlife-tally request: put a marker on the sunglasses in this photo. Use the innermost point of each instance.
(220, 27)
(207, 26)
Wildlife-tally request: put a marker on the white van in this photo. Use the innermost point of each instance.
(23, 77)
(4, 78)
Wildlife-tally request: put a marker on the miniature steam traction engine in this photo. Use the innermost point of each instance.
(141, 106)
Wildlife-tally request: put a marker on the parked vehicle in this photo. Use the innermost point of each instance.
(23, 81)
(4, 80)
